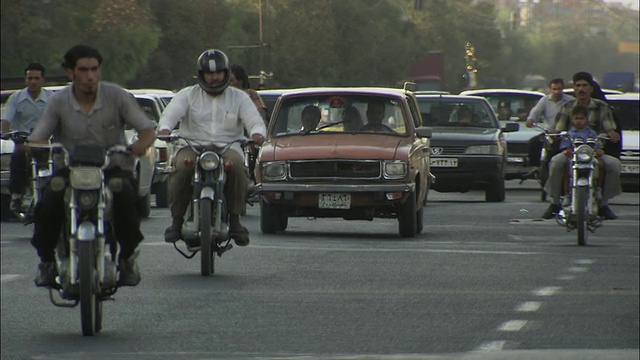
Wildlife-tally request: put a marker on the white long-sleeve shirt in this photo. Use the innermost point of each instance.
(546, 109)
(213, 120)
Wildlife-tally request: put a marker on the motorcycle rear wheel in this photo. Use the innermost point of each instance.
(206, 250)
(90, 305)
(581, 214)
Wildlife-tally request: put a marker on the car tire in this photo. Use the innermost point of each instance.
(145, 206)
(407, 217)
(162, 194)
(270, 218)
(5, 211)
(495, 191)
(420, 220)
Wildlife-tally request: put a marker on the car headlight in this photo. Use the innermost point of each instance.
(483, 150)
(584, 153)
(209, 161)
(274, 171)
(394, 169)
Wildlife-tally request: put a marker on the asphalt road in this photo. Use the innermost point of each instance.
(483, 281)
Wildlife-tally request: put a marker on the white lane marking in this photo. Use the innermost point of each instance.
(565, 277)
(492, 346)
(577, 269)
(546, 291)
(8, 277)
(529, 306)
(584, 261)
(512, 325)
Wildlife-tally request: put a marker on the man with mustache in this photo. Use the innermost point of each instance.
(601, 120)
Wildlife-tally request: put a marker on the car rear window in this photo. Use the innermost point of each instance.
(340, 113)
(448, 113)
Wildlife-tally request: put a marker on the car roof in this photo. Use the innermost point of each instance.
(160, 92)
(501, 91)
(395, 92)
(274, 92)
(451, 97)
(624, 96)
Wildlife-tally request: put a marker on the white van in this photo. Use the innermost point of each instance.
(627, 108)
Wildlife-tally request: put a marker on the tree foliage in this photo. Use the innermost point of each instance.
(155, 43)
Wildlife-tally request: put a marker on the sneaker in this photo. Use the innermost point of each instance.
(129, 273)
(551, 211)
(47, 273)
(606, 212)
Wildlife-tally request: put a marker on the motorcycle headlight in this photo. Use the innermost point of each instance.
(87, 199)
(483, 150)
(209, 161)
(394, 169)
(88, 178)
(584, 153)
(274, 171)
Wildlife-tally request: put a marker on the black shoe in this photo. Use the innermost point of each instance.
(172, 234)
(240, 235)
(551, 211)
(606, 213)
(129, 273)
(47, 273)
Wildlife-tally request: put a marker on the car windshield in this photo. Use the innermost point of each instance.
(512, 105)
(456, 113)
(628, 112)
(338, 113)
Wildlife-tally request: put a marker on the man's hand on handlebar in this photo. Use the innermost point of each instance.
(614, 137)
(257, 139)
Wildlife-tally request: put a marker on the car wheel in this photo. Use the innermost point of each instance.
(495, 191)
(407, 217)
(420, 220)
(269, 218)
(162, 194)
(5, 202)
(145, 206)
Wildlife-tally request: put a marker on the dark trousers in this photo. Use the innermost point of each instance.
(50, 214)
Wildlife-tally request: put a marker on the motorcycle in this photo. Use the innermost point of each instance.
(581, 212)
(87, 251)
(250, 156)
(41, 168)
(206, 221)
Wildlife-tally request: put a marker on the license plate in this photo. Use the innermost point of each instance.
(334, 201)
(444, 162)
(630, 168)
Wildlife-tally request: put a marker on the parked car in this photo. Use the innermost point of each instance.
(340, 168)
(524, 145)
(151, 101)
(627, 109)
(468, 145)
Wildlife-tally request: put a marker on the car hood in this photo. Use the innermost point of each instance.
(460, 134)
(335, 146)
(523, 135)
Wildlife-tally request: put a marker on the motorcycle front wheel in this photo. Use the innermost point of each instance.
(206, 247)
(90, 305)
(581, 214)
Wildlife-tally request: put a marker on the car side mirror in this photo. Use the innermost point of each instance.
(424, 132)
(511, 127)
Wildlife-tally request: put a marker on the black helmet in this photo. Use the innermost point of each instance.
(210, 61)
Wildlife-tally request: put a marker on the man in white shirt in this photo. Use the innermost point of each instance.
(548, 106)
(22, 112)
(213, 113)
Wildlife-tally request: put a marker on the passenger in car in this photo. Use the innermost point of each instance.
(310, 118)
(352, 119)
(465, 115)
(375, 115)
(504, 110)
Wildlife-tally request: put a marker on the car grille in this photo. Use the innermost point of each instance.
(335, 169)
(453, 150)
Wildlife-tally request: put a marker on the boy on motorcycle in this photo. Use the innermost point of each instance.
(215, 114)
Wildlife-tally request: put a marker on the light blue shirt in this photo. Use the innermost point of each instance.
(546, 109)
(23, 111)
